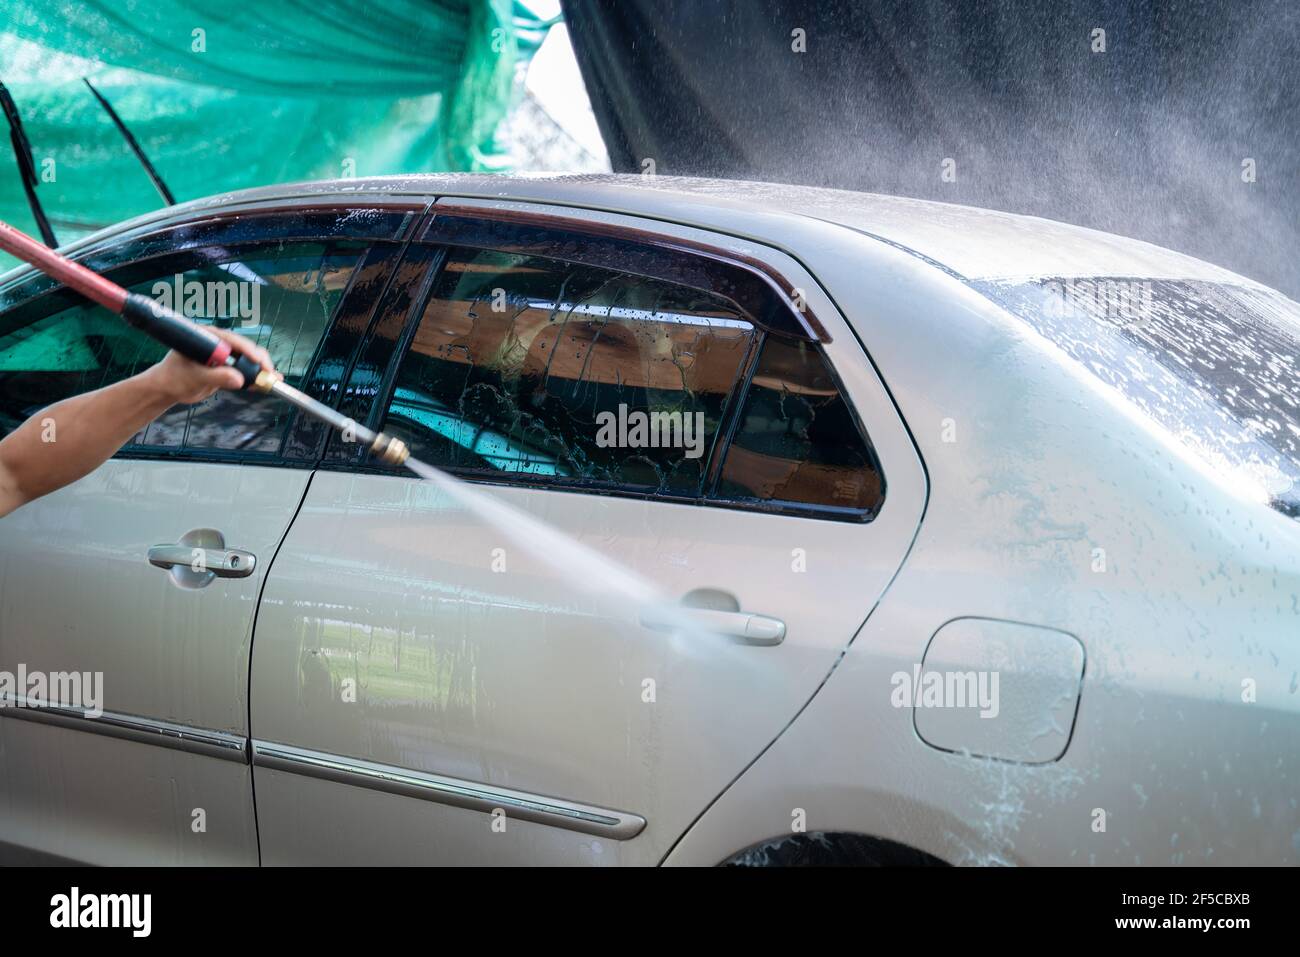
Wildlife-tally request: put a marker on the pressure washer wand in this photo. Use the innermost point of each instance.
(188, 338)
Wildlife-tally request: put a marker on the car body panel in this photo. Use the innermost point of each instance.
(79, 595)
(1048, 500)
(527, 685)
(1195, 594)
(69, 797)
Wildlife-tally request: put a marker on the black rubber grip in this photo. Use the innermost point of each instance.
(247, 368)
(189, 339)
(171, 329)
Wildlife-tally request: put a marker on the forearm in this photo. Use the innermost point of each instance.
(60, 444)
(70, 439)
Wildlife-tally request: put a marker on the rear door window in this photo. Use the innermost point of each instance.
(534, 368)
(528, 369)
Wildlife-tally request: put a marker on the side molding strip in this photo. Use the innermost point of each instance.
(521, 805)
(128, 727)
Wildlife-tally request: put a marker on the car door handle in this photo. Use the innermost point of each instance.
(222, 562)
(750, 628)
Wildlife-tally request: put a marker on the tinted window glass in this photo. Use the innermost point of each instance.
(280, 297)
(561, 372)
(72, 351)
(797, 440)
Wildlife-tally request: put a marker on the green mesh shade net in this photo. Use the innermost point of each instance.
(224, 97)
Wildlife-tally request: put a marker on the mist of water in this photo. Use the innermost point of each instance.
(584, 568)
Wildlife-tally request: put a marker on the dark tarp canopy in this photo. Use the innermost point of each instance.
(1149, 138)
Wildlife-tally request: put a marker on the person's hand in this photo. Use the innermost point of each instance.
(184, 381)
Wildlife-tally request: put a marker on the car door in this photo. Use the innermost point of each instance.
(142, 579)
(435, 693)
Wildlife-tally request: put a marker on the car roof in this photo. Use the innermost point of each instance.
(975, 244)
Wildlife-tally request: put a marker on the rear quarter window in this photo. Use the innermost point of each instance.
(797, 440)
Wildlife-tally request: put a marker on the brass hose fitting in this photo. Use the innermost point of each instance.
(266, 381)
(388, 449)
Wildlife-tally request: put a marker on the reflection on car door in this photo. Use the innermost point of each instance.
(436, 695)
(120, 576)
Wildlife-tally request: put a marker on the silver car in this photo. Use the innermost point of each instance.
(988, 525)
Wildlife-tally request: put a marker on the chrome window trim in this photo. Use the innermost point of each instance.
(128, 727)
(520, 805)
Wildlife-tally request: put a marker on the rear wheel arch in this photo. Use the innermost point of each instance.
(831, 849)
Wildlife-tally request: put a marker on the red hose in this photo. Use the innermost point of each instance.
(73, 275)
